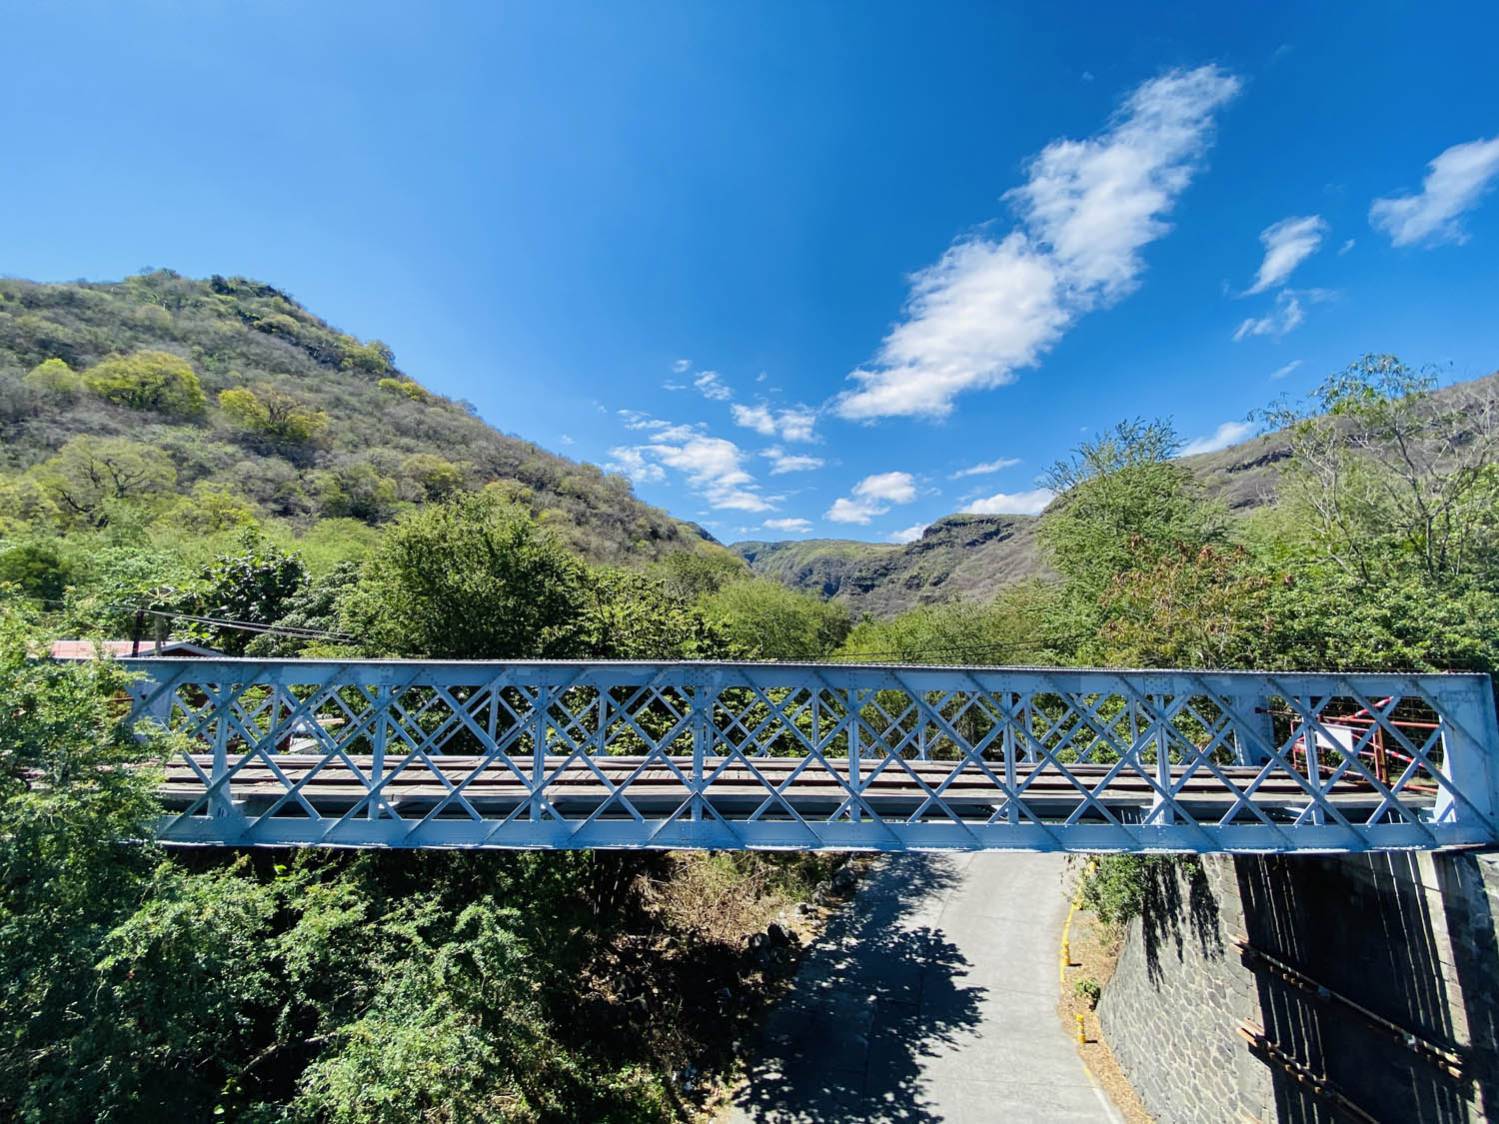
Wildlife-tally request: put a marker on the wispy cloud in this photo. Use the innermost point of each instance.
(874, 495)
(710, 384)
(1012, 503)
(782, 462)
(1288, 314)
(1287, 244)
(1282, 372)
(1454, 183)
(791, 526)
(1346, 246)
(1229, 433)
(713, 466)
(795, 423)
(682, 366)
(986, 468)
(910, 534)
(1088, 209)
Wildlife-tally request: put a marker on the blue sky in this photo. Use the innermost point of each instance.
(827, 269)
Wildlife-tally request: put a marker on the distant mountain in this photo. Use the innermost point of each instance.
(316, 425)
(967, 557)
(973, 557)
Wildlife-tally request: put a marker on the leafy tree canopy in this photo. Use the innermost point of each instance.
(149, 380)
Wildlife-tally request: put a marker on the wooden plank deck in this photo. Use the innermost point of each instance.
(578, 791)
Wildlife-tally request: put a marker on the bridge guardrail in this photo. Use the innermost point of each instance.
(815, 756)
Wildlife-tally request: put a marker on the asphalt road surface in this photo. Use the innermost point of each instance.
(932, 997)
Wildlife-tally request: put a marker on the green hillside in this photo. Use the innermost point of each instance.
(197, 406)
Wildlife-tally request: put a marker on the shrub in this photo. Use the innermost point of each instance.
(54, 376)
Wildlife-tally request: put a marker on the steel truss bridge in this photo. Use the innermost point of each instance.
(814, 756)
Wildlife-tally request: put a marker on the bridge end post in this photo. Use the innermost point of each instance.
(1470, 759)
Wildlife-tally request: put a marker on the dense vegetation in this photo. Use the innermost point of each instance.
(209, 452)
(382, 986)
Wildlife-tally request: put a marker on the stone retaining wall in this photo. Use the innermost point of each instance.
(1410, 937)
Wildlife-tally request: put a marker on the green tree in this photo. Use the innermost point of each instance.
(256, 586)
(281, 418)
(1389, 476)
(65, 878)
(629, 615)
(1124, 504)
(149, 380)
(38, 568)
(469, 579)
(54, 376)
(438, 477)
(769, 621)
(90, 475)
(406, 388)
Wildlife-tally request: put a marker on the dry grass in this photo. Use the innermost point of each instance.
(1095, 952)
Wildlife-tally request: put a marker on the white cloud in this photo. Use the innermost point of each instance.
(1229, 433)
(795, 423)
(1013, 503)
(632, 463)
(639, 419)
(793, 526)
(874, 495)
(682, 366)
(985, 468)
(714, 466)
(910, 534)
(989, 307)
(892, 487)
(1287, 244)
(711, 385)
(1286, 316)
(758, 418)
(1282, 372)
(1346, 246)
(1454, 183)
(782, 462)
(566, 439)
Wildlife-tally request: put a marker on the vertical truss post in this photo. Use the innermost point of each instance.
(221, 805)
(1313, 757)
(1008, 746)
(377, 747)
(539, 709)
(855, 754)
(1161, 812)
(1252, 718)
(700, 700)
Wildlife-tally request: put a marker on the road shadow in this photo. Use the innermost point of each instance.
(878, 993)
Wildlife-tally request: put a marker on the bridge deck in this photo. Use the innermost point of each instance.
(818, 790)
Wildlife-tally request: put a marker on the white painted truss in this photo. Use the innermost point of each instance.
(817, 756)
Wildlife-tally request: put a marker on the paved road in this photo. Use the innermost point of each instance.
(932, 998)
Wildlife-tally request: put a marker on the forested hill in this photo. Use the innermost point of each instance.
(230, 400)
